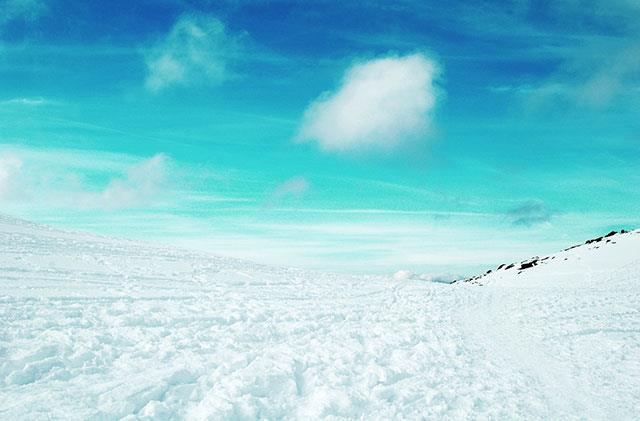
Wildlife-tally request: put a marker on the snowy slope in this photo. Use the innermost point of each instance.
(92, 327)
(607, 260)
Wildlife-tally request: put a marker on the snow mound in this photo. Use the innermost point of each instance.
(98, 328)
(441, 278)
(402, 275)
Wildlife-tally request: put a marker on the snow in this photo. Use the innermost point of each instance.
(402, 275)
(100, 328)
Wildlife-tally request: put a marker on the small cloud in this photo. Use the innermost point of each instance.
(141, 186)
(380, 104)
(530, 213)
(295, 186)
(9, 168)
(194, 51)
(27, 102)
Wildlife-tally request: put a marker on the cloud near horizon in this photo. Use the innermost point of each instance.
(380, 104)
(58, 180)
(195, 51)
(9, 167)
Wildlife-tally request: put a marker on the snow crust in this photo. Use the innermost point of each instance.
(98, 328)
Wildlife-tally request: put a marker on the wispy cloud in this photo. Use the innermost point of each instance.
(293, 187)
(21, 9)
(595, 43)
(140, 186)
(195, 51)
(27, 102)
(530, 213)
(379, 104)
(591, 81)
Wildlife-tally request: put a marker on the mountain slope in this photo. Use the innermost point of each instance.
(92, 327)
(602, 259)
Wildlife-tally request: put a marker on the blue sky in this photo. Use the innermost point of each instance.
(368, 136)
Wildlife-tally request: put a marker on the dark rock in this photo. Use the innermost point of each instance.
(527, 265)
(594, 240)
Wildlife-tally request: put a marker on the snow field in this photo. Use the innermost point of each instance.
(96, 328)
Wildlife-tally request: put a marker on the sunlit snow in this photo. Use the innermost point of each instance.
(92, 327)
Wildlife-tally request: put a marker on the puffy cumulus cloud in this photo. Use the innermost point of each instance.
(530, 213)
(380, 104)
(9, 168)
(140, 186)
(195, 50)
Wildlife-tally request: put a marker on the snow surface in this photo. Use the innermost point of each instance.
(98, 328)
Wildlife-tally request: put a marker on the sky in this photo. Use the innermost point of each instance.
(345, 136)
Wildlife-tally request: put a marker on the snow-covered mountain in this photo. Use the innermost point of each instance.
(99, 328)
(604, 259)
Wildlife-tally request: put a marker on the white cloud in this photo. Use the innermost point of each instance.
(9, 167)
(60, 179)
(380, 104)
(140, 186)
(194, 51)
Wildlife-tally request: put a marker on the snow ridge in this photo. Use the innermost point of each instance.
(613, 255)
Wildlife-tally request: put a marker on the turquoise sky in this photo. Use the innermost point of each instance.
(368, 136)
